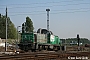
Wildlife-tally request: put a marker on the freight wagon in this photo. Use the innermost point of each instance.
(42, 40)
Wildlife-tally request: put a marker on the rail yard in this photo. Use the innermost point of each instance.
(47, 56)
(44, 46)
(23, 35)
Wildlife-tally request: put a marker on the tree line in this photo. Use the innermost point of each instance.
(27, 26)
(74, 40)
(11, 29)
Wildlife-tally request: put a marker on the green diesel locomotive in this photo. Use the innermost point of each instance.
(42, 40)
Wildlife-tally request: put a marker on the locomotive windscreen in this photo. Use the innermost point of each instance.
(43, 31)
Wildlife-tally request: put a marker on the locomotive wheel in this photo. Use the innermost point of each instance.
(25, 48)
(58, 47)
(39, 47)
(48, 48)
(54, 48)
(43, 47)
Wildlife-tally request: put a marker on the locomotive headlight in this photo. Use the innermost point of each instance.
(52, 38)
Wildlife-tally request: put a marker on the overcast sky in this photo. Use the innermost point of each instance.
(67, 17)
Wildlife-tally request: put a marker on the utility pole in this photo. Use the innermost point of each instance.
(78, 39)
(78, 42)
(17, 39)
(48, 18)
(6, 32)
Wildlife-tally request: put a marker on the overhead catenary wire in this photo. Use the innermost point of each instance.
(42, 3)
(42, 12)
(46, 6)
(52, 10)
(71, 12)
(62, 10)
(50, 13)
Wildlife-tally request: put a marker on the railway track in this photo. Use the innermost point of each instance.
(44, 56)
